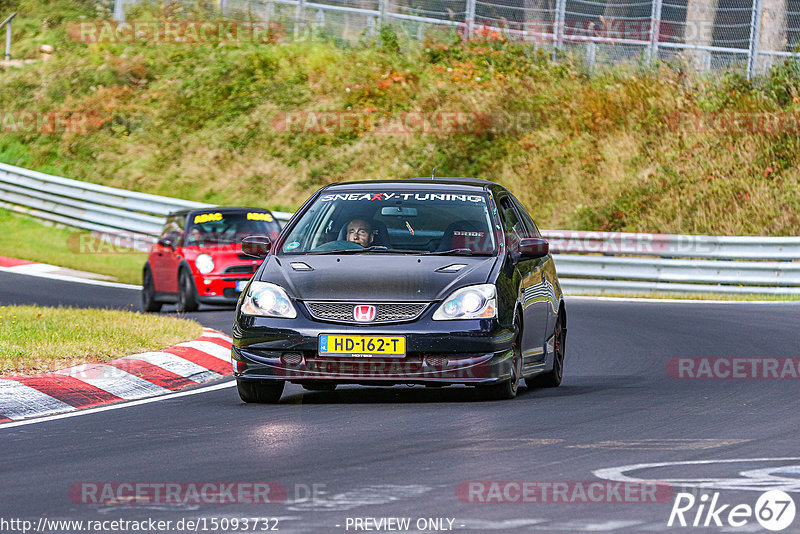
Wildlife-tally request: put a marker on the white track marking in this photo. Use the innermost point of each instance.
(177, 365)
(212, 349)
(119, 406)
(19, 400)
(16, 270)
(590, 525)
(618, 474)
(114, 380)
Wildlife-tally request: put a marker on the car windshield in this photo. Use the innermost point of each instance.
(219, 228)
(394, 222)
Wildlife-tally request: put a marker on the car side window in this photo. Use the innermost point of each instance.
(530, 226)
(172, 230)
(514, 229)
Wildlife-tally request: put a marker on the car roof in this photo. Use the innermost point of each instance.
(444, 183)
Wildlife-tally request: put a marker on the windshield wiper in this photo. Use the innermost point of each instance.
(453, 252)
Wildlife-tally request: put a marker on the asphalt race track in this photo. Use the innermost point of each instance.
(409, 452)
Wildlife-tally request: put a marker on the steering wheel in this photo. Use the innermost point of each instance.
(337, 245)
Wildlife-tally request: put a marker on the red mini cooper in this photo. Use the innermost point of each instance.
(198, 257)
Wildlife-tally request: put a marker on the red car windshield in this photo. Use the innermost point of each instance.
(219, 228)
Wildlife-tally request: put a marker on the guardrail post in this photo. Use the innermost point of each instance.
(119, 10)
(558, 26)
(655, 31)
(383, 9)
(755, 36)
(470, 19)
(591, 53)
(8, 40)
(299, 17)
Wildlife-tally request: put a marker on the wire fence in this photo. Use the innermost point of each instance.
(708, 35)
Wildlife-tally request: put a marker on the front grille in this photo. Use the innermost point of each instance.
(241, 269)
(384, 313)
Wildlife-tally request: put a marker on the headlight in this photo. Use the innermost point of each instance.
(471, 302)
(204, 263)
(263, 298)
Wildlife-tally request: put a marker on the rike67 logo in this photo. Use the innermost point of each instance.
(774, 510)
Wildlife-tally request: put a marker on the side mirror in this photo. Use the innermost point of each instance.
(167, 242)
(533, 247)
(257, 246)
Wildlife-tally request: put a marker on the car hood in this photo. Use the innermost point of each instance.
(375, 277)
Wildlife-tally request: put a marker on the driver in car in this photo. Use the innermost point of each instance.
(360, 231)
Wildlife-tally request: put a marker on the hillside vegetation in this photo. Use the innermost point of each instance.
(617, 149)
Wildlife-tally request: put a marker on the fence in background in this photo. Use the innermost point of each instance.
(587, 262)
(709, 34)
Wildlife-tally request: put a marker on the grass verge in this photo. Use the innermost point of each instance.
(626, 148)
(28, 239)
(39, 339)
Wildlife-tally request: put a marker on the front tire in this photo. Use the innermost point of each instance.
(507, 390)
(187, 294)
(149, 302)
(260, 392)
(553, 378)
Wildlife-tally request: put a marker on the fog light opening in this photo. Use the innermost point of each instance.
(436, 361)
(291, 358)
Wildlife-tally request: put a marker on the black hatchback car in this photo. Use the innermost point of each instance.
(425, 281)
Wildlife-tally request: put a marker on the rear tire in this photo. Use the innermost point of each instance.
(260, 392)
(553, 378)
(187, 294)
(149, 302)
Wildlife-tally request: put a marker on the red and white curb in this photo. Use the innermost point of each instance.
(132, 377)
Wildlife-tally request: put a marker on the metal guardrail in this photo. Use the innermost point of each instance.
(88, 206)
(607, 262)
(675, 246)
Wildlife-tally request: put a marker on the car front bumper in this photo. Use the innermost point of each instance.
(437, 352)
(218, 289)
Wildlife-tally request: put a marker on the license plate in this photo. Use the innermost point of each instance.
(362, 346)
(240, 285)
